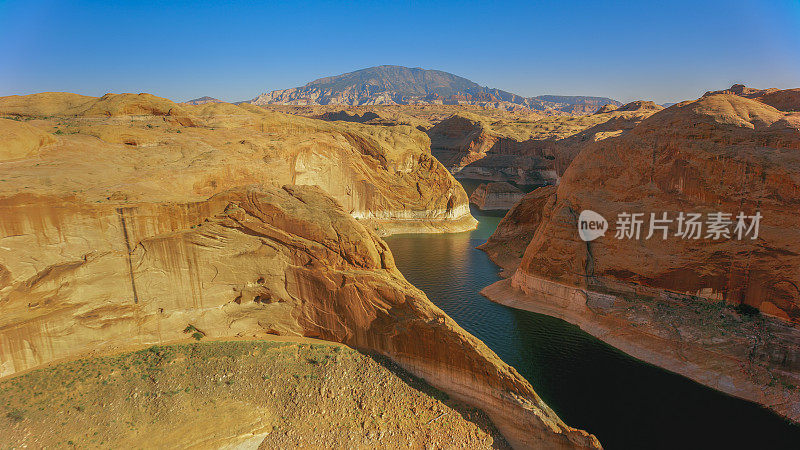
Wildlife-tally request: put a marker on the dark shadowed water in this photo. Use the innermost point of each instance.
(626, 403)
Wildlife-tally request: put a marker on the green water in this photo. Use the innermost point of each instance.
(626, 403)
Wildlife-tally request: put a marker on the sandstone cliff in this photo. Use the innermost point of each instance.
(141, 219)
(384, 176)
(528, 152)
(721, 152)
(507, 244)
(663, 300)
(495, 196)
(247, 262)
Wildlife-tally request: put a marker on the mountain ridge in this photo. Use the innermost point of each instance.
(399, 85)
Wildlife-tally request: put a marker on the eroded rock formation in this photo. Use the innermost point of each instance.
(782, 99)
(247, 262)
(384, 176)
(527, 152)
(143, 219)
(496, 195)
(507, 244)
(663, 299)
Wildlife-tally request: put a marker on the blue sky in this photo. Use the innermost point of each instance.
(662, 51)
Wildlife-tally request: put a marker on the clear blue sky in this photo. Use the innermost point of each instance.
(663, 51)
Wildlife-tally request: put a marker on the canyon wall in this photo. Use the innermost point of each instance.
(382, 175)
(251, 261)
(526, 152)
(495, 196)
(720, 153)
(132, 221)
(690, 305)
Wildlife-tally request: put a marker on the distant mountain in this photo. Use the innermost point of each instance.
(202, 101)
(397, 85)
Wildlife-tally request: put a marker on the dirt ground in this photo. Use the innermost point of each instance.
(242, 394)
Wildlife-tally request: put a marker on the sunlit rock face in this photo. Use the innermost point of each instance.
(507, 244)
(528, 152)
(495, 196)
(134, 220)
(720, 153)
(722, 312)
(150, 145)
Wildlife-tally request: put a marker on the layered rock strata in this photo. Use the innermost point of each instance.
(382, 175)
(495, 196)
(141, 220)
(689, 305)
(527, 152)
(247, 262)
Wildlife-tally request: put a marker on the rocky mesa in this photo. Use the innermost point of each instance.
(398, 85)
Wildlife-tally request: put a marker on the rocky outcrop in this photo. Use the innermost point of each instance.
(781, 99)
(707, 155)
(664, 300)
(170, 227)
(606, 109)
(397, 85)
(345, 116)
(507, 244)
(640, 105)
(21, 140)
(784, 100)
(495, 196)
(460, 140)
(202, 101)
(529, 152)
(384, 176)
(616, 123)
(743, 91)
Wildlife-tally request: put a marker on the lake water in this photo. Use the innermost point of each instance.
(626, 403)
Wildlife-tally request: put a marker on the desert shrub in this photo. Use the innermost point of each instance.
(15, 415)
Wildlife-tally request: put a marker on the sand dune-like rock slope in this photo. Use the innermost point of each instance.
(383, 175)
(21, 140)
(782, 99)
